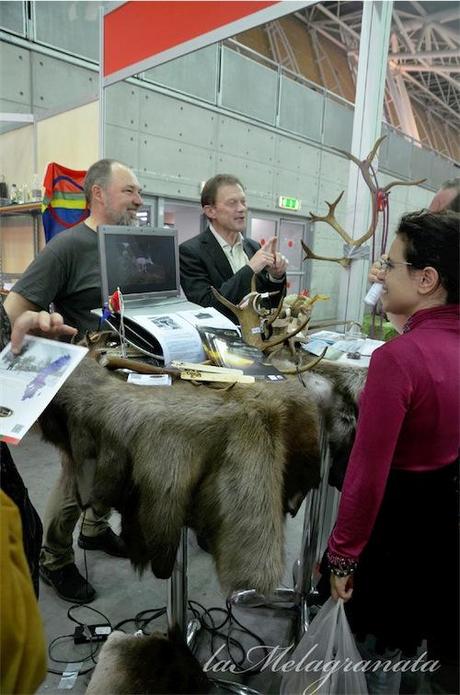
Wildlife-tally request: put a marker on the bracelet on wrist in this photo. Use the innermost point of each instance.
(341, 566)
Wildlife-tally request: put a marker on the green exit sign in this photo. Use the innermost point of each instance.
(288, 203)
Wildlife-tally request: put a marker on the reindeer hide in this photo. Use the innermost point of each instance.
(132, 665)
(227, 463)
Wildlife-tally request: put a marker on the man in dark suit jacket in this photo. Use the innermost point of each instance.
(221, 257)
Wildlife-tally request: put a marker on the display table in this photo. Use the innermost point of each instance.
(229, 463)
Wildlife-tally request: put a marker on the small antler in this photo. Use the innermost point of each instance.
(299, 369)
(249, 318)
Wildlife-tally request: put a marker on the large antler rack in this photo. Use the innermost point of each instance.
(376, 193)
(256, 322)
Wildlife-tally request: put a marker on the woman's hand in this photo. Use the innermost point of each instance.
(375, 273)
(38, 322)
(341, 587)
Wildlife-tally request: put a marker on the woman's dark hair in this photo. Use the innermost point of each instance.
(210, 188)
(432, 239)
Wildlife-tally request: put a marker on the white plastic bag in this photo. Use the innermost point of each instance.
(323, 661)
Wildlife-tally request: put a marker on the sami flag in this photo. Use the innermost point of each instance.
(64, 203)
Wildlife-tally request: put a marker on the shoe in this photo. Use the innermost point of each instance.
(68, 583)
(107, 541)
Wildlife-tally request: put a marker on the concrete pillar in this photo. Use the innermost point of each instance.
(367, 124)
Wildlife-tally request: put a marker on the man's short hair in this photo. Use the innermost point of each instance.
(99, 173)
(454, 204)
(210, 188)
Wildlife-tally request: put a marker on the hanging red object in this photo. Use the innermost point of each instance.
(382, 200)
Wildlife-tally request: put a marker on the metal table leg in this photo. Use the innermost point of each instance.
(314, 529)
(176, 612)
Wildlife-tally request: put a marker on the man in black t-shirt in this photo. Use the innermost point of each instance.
(66, 273)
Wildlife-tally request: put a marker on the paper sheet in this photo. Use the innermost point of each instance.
(30, 380)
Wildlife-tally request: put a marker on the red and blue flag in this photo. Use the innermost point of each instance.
(64, 204)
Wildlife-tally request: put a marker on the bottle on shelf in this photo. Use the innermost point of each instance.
(25, 193)
(14, 194)
(3, 189)
(35, 190)
(19, 194)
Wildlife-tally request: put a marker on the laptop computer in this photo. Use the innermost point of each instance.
(144, 263)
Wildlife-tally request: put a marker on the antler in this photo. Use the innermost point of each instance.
(345, 262)
(330, 219)
(365, 168)
(303, 368)
(253, 322)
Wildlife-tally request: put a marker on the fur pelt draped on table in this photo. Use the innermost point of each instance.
(131, 665)
(229, 464)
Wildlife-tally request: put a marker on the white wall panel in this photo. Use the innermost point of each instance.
(57, 84)
(122, 144)
(257, 178)
(249, 141)
(172, 118)
(15, 76)
(297, 156)
(172, 168)
(123, 105)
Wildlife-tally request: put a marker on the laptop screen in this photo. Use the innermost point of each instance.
(142, 261)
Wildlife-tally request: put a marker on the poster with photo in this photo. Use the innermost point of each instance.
(29, 380)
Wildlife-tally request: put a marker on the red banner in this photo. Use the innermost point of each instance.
(138, 31)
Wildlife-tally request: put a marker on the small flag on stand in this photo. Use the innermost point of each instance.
(64, 204)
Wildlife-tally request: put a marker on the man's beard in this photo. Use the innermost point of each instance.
(125, 219)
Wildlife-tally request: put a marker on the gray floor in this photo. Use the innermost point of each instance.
(122, 593)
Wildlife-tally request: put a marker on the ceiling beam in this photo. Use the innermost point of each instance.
(338, 21)
(438, 69)
(403, 29)
(433, 96)
(422, 55)
(443, 16)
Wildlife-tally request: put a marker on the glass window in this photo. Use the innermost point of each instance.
(194, 73)
(69, 26)
(12, 17)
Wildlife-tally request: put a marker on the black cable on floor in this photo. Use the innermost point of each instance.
(142, 619)
(234, 625)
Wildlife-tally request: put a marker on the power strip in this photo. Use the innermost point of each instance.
(85, 634)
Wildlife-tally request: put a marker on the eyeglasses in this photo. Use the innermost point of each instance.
(388, 264)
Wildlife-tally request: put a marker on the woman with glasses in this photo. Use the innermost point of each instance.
(393, 554)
